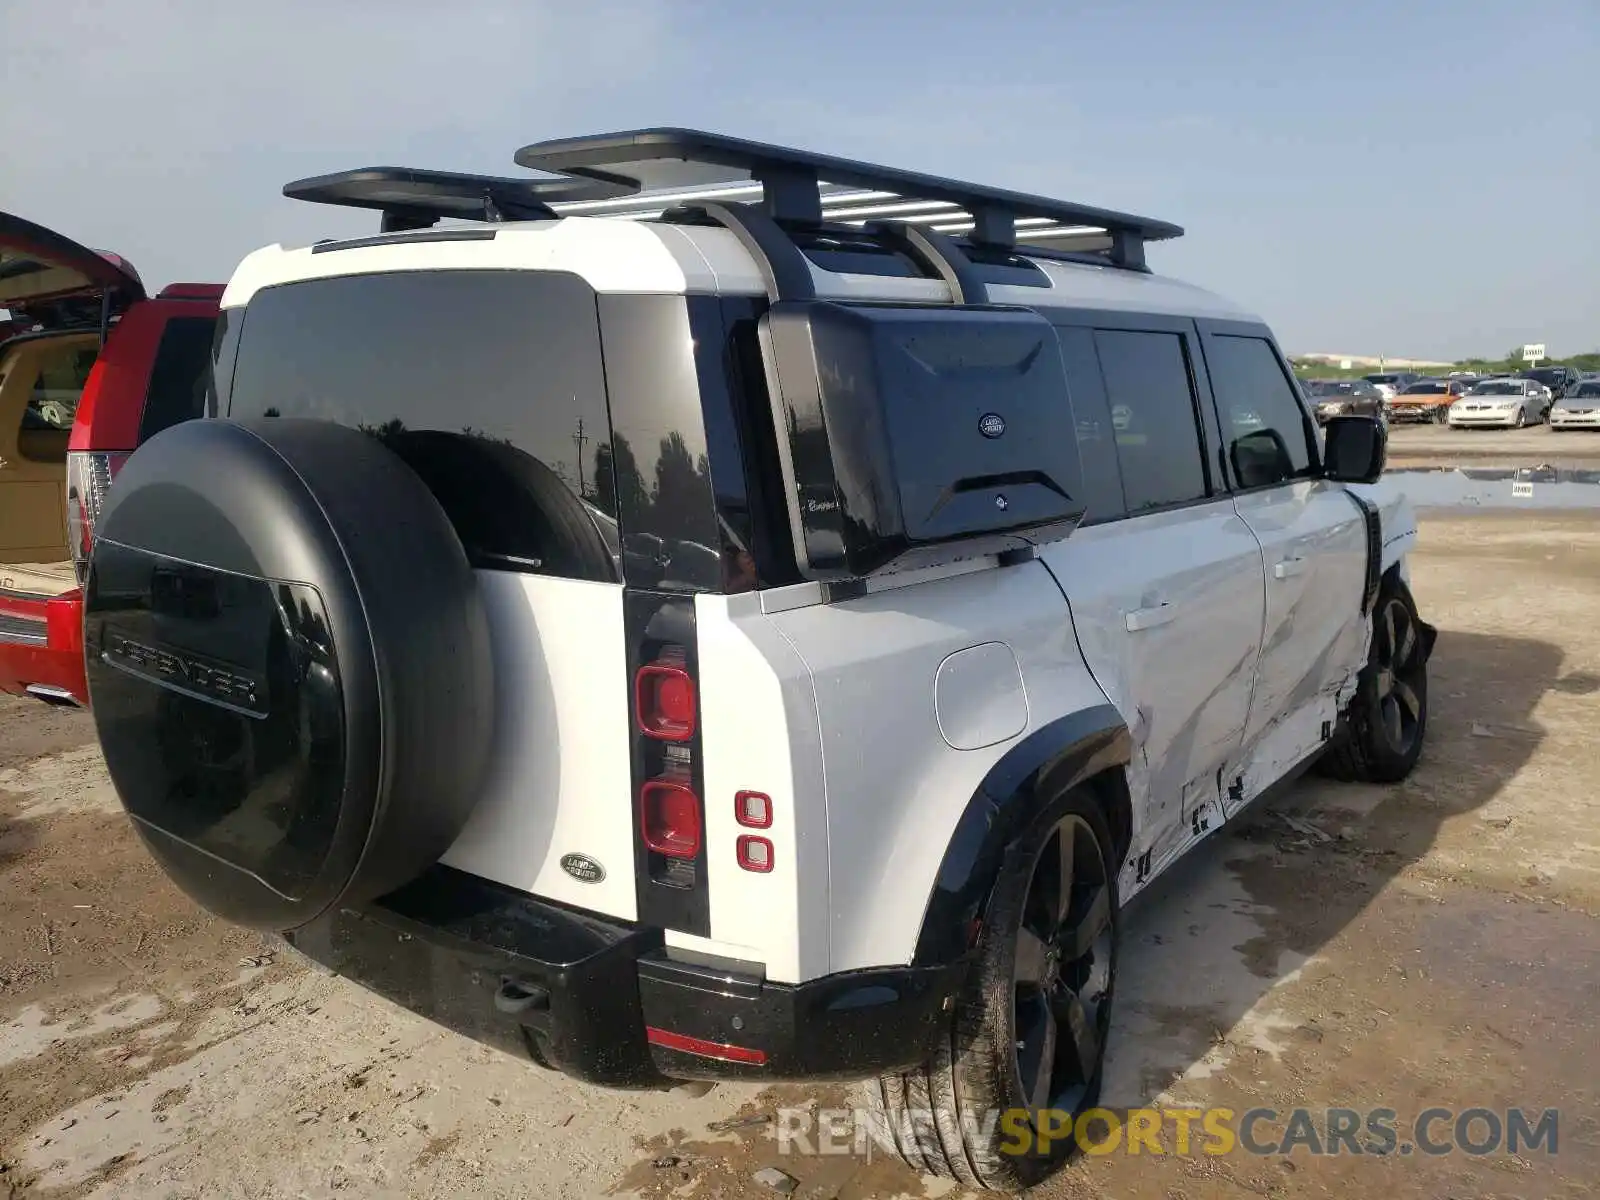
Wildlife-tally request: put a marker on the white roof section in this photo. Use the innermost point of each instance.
(641, 256)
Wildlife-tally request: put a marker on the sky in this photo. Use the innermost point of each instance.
(1415, 179)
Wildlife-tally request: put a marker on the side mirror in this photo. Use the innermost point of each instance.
(1261, 459)
(1354, 449)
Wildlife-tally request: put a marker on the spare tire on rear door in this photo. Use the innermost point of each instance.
(288, 664)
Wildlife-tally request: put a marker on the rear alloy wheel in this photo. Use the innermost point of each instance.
(1029, 1033)
(1388, 719)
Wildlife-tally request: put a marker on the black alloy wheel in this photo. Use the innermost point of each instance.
(1062, 973)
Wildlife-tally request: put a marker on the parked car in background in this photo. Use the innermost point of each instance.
(1427, 400)
(1344, 398)
(1392, 383)
(1579, 408)
(1558, 379)
(89, 369)
(1503, 403)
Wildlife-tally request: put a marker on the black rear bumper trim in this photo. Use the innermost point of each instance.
(577, 993)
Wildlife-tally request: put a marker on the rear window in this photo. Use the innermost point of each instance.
(507, 361)
(178, 378)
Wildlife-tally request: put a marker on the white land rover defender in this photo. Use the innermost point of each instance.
(711, 610)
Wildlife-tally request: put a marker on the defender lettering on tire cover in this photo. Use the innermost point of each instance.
(281, 630)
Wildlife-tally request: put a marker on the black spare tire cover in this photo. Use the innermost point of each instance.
(289, 665)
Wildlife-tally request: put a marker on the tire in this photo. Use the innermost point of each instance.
(1387, 721)
(1522, 418)
(289, 666)
(1441, 416)
(985, 1066)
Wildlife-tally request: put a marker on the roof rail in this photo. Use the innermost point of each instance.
(683, 166)
(410, 198)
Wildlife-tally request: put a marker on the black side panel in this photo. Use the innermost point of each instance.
(1058, 756)
(916, 435)
(672, 893)
(1373, 520)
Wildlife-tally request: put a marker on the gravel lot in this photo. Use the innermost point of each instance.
(1430, 944)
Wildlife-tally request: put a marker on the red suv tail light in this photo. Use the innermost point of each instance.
(89, 476)
(664, 697)
(669, 818)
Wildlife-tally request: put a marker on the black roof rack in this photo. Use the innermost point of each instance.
(795, 182)
(416, 199)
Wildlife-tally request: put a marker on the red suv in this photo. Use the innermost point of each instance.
(90, 367)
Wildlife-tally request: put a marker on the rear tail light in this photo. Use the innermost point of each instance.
(753, 810)
(664, 697)
(755, 854)
(669, 818)
(89, 477)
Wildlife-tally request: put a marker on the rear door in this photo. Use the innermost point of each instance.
(491, 385)
(1164, 582)
(1313, 542)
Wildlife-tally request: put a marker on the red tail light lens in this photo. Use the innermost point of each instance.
(755, 854)
(753, 810)
(669, 818)
(664, 696)
(89, 476)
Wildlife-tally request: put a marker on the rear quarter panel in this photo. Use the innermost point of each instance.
(895, 785)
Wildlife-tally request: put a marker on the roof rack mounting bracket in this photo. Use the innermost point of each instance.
(994, 226)
(790, 195)
(784, 269)
(939, 251)
(1127, 249)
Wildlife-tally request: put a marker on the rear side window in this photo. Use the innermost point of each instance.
(489, 383)
(1151, 396)
(180, 374)
(1097, 445)
(1254, 396)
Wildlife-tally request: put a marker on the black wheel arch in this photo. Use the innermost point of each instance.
(1084, 747)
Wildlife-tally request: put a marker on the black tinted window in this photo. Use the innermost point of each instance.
(1255, 401)
(1153, 414)
(488, 383)
(179, 377)
(1097, 445)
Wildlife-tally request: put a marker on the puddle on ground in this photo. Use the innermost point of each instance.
(1498, 487)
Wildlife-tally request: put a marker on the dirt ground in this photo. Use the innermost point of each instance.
(1430, 444)
(1430, 944)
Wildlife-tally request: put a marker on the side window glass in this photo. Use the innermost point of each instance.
(1097, 445)
(179, 376)
(1263, 424)
(1153, 417)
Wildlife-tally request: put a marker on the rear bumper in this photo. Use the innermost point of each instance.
(608, 1003)
(41, 646)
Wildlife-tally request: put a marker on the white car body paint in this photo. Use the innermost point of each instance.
(1168, 611)
(895, 787)
(559, 781)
